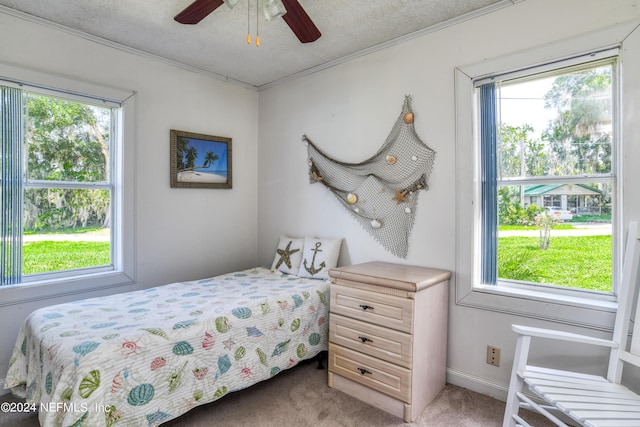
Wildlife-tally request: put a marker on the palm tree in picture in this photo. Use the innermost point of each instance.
(192, 155)
(181, 148)
(209, 158)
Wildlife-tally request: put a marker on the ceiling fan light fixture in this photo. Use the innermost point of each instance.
(231, 3)
(273, 9)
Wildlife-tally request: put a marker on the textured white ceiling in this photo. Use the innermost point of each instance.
(217, 44)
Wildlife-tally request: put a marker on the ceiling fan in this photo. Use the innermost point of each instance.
(295, 17)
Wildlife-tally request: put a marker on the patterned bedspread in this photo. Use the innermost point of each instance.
(144, 357)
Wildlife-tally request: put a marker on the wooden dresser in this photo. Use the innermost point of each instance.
(388, 335)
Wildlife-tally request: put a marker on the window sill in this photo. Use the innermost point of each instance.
(573, 310)
(64, 287)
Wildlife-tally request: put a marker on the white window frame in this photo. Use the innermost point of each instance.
(45, 286)
(580, 308)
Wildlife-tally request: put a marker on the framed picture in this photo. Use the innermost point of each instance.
(200, 161)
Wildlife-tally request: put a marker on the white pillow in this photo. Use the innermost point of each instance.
(319, 256)
(288, 255)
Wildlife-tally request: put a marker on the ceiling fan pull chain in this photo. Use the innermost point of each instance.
(249, 22)
(257, 24)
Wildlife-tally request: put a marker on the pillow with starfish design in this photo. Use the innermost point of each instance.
(288, 255)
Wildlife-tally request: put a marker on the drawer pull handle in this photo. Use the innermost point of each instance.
(366, 307)
(364, 371)
(365, 339)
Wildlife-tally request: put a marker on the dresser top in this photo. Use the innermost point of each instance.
(399, 276)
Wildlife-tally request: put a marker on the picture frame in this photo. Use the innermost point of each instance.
(200, 161)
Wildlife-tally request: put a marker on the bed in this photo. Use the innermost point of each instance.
(142, 358)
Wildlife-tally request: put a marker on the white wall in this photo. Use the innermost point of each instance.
(348, 111)
(180, 234)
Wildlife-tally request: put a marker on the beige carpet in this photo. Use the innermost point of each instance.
(300, 397)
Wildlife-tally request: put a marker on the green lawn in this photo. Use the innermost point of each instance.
(577, 262)
(47, 256)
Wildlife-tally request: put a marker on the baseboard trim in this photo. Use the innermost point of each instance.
(481, 385)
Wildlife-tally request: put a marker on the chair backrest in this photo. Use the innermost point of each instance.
(626, 293)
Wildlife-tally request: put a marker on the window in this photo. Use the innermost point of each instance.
(59, 196)
(547, 153)
(611, 47)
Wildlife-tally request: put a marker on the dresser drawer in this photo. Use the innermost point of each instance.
(384, 310)
(383, 343)
(377, 374)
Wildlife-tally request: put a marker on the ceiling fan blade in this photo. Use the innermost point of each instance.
(299, 22)
(197, 11)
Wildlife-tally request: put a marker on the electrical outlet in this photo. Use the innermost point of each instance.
(493, 355)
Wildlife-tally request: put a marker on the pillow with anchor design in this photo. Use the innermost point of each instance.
(318, 257)
(288, 255)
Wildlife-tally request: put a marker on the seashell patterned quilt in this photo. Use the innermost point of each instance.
(142, 358)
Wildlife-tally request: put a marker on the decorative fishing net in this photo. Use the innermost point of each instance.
(382, 191)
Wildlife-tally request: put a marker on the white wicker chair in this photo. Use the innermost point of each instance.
(586, 400)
